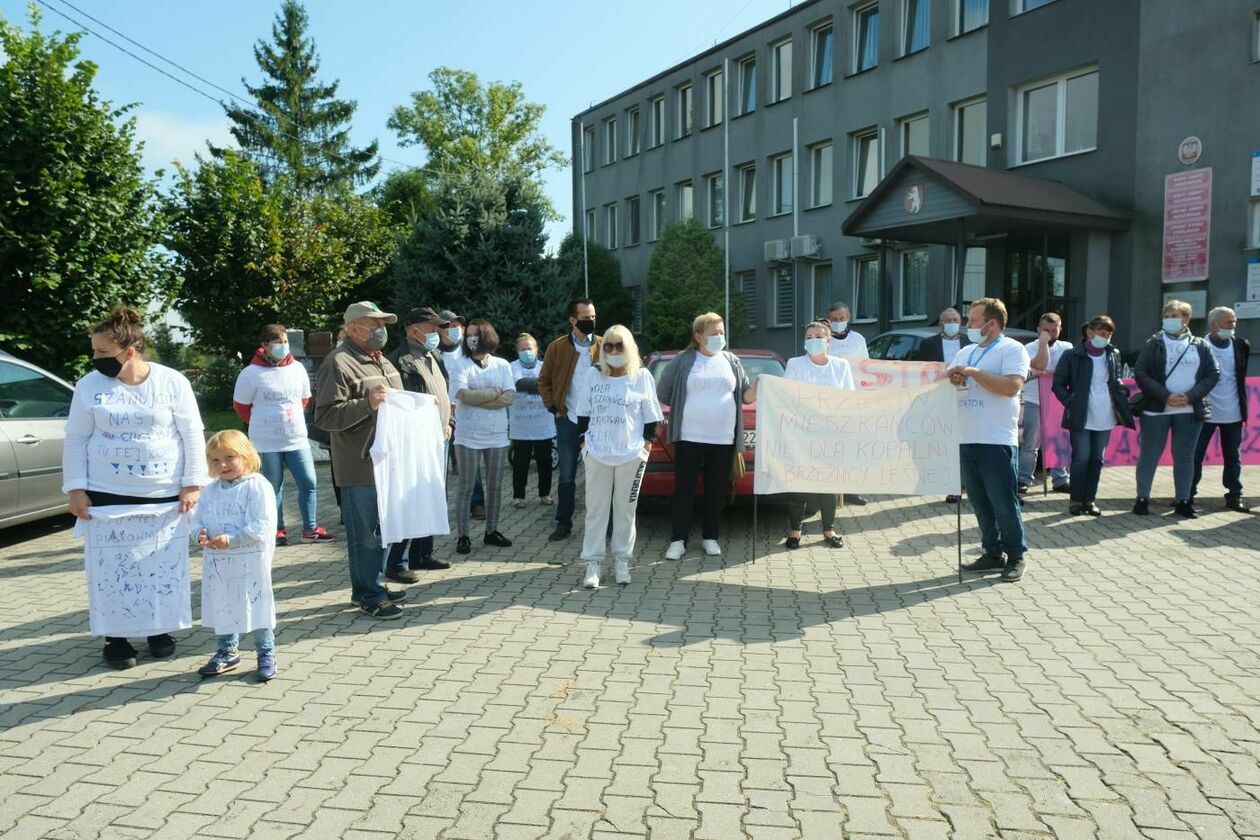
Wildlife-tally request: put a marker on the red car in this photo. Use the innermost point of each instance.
(658, 479)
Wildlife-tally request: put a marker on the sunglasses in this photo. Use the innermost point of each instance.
(613, 345)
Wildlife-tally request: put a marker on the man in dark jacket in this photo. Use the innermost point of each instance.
(943, 346)
(1229, 405)
(420, 366)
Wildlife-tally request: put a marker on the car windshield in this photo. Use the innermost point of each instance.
(754, 366)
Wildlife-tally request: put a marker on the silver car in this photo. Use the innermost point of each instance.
(34, 405)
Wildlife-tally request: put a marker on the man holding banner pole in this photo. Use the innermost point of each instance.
(1044, 355)
(990, 375)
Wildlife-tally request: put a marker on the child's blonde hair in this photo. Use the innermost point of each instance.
(231, 440)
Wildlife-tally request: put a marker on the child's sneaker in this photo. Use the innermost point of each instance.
(282, 539)
(222, 662)
(318, 535)
(266, 666)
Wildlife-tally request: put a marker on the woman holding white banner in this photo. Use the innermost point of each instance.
(134, 449)
(817, 368)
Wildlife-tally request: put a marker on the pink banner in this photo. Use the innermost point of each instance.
(1122, 451)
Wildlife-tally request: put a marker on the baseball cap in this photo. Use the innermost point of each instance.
(424, 315)
(367, 309)
(447, 316)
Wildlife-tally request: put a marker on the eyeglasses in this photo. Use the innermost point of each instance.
(614, 345)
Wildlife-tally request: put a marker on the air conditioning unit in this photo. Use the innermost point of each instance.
(806, 246)
(778, 250)
(870, 242)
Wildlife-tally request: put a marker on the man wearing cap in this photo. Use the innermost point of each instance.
(349, 387)
(452, 347)
(420, 367)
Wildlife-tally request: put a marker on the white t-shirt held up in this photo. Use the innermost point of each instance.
(276, 420)
(409, 467)
(987, 417)
(619, 407)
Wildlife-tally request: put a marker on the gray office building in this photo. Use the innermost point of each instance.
(1076, 156)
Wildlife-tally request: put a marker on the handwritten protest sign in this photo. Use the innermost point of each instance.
(811, 439)
(881, 374)
(1125, 444)
(136, 559)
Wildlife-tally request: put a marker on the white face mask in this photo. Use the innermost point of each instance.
(615, 360)
(715, 343)
(1226, 334)
(839, 326)
(278, 350)
(815, 346)
(951, 329)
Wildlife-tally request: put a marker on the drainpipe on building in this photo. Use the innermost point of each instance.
(586, 265)
(796, 218)
(726, 186)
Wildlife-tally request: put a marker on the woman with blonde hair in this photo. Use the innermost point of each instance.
(705, 387)
(617, 410)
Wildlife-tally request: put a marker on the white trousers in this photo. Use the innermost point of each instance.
(611, 491)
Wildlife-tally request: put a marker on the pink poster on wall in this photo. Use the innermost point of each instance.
(1187, 225)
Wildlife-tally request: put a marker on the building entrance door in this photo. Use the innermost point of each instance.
(1036, 279)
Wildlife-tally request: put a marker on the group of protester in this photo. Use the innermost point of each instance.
(134, 437)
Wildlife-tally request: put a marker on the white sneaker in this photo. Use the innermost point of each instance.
(591, 581)
(621, 571)
(676, 550)
(712, 548)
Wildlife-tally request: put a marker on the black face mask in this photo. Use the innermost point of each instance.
(108, 365)
(586, 326)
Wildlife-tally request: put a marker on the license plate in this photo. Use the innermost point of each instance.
(750, 438)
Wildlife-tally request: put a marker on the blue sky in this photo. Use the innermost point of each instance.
(567, 55)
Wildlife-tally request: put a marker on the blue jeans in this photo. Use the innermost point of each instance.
(264, 642)
(1153, 431)
(988, 474)
(1087, 463)
(1231, 451)
(1030, 444)
(302, 465)
(568, 442)
(363, 544)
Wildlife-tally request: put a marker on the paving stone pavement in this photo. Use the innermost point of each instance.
(860, 693)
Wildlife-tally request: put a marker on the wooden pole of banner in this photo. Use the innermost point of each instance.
(754, 536)
(958, 531)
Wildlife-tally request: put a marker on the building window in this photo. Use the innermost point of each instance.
(865, 38)
(1255, 37)
(747, 85)
(781, 70)
(610, 214)
(822, 40)
(684, 111)
(781, 185)
(634, 132)
(820, 291)
(972, 14)
(658, 213)
(865, 163)
(915, 135)
(589, 233)
(682, 200)
(866, 289)
(1254, 227)
(633, 230)
(588, 149)
(747, 192)
(916, 25)
(784, 297)
(746, 282)
(1058, 117)
(912, 292)
(715, 98)
(610, 140)
(715, 194)
(971, 132)
(975, 265)
(820, 174)
(657, 117)
(1029, 5)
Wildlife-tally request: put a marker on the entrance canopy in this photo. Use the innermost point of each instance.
(932, 201)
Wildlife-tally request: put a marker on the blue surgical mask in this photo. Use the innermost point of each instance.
(815, 346)
(1172, 326)
(975, 335)
(278, 350)
(1225, 334)
(528, 357)
(951, 329)
(615, 360)
(715, 343)
(839, 326)
(378, 338)
(432, 340)
(455, 333)
(1100, 342)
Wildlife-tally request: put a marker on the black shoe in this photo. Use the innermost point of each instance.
(495, 538)
(401, 574)
(952, 499)
(853, 499)
(1186, 510)
(385, 610)
(1076, 509)
(1021, 489)
(430, 563)
(161, 646)
(792, 542)
(834, 541)
(1014, 569)
(1142, 507)
(119, 654)
(392, 596)
(463, 545)
(1236, 503)
(1065, 487)
(562, 531)
(1092, 509)
(985, 563)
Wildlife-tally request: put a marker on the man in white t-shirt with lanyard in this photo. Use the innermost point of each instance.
(989, 375)
(846, 343)
(1043, 355)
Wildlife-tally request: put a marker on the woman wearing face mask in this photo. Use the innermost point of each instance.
(271, 396)
(1176, 371)
(705, 388)
(817, 368)
(1087, 382)
(133, 437)
(531, 427)
(484, 388)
